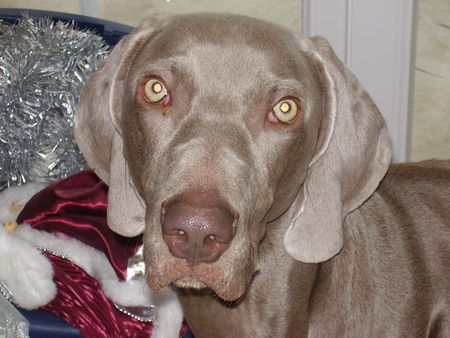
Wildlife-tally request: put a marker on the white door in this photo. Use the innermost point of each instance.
(376, 39)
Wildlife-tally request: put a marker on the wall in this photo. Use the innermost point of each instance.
(69, 6)
(431, 119)
(287, 13)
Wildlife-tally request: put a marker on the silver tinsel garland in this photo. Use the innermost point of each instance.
(43, 66)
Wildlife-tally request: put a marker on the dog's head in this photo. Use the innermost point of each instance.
(207, 128)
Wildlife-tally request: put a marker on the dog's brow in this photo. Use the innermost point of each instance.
(286, 85)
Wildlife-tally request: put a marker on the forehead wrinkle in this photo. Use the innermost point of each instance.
(154, 66)
(285, 86)
(220, 70)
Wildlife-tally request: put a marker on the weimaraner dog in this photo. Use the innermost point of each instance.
(255, 165)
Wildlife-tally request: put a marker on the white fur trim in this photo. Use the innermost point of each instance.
(94, 262)
(19, 195)
(25, 271)
(170, 314)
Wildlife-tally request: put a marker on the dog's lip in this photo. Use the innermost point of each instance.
(189, 282)
(182, 279)
(195, 280)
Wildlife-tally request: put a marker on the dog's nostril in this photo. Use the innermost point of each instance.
(197, 226)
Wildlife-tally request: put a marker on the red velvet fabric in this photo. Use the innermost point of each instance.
(76, 207)
(81, 303)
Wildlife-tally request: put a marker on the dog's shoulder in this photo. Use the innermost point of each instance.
(431, 177)
(409, 214)
(414, 197)
(420, 188)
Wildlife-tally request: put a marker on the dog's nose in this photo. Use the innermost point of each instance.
(197, 226)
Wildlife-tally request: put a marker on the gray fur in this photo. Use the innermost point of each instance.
(320, 249)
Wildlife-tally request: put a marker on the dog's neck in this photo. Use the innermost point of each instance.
(308, 282)
(346, 280)
(204, 312)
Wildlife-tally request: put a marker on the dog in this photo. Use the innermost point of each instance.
(258, 169)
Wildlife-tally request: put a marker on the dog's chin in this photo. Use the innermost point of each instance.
(226, 278)
(189, 283)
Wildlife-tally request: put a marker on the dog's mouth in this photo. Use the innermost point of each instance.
(227, 278)
(203, 276)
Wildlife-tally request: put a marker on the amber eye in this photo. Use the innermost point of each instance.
(154, 91)
(286, 110)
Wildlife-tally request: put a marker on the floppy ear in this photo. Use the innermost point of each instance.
(351, 157)
(98, 132)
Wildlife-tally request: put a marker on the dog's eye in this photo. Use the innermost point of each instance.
(154, 91)
(285, 111)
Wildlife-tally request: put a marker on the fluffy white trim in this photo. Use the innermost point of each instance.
(19, 196)
(169, 312)
(25, 271)
(94, 262)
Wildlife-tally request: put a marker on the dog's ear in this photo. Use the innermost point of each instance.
(98, 131)
(351, 157)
